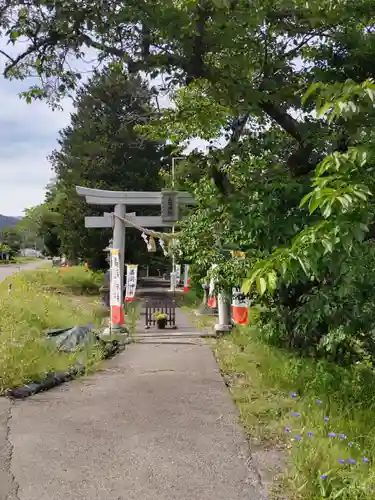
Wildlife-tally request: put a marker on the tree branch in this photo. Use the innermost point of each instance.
(195, 67)
(284, 119)
(218, 175)
(6, 55)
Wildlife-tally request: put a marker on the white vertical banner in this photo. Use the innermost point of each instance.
(131, 281)
(117, 313)
(212, 301)
(186, 278)
(115, 287)
(178, 274)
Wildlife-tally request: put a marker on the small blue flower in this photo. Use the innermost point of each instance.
(342, 436)
(298, 438)
(350, 443)
(287, 428)
(326, 419)
(365, 460)
(324, 477)
(296, 414)
(310, 434)
(293, 395)
(318, 402)
(351, 461)
(341, 461)
(331, 435)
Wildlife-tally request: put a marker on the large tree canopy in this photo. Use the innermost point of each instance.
(239, 70)
(257, 56)
(101, 149)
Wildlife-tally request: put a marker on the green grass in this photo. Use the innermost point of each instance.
(133, 313)
(19, 260)
(24, 260)
(40, 300)
(262, 379)
(192, 299)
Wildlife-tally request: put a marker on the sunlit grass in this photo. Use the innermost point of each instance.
(322, 413)
(40, 300)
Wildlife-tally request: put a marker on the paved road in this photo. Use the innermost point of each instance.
(6, 271)
(157, 423)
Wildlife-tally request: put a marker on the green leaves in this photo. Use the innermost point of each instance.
(195, 114)
(261, 285)
(341, 100)
(102, 149)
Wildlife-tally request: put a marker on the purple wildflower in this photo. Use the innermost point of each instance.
(293, 395)
(296, 414)
(287, 428)
(318, 402)
(324, 477)
(326, 419)
(341, 461)
(365, 460)
(310, 434)
(331, 435)
(351, 461)
(298, 438)
(342, 436)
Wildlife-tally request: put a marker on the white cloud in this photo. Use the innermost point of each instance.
(28, 134)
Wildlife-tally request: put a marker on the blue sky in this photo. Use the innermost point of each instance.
(28, 134)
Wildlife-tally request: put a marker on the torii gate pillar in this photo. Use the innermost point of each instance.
(119, 243)
(119, 237)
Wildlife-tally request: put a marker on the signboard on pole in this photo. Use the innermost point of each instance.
(117, 312)
(131, 281)
(169, 206)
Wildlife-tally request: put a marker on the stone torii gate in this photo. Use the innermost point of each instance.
(170, 202)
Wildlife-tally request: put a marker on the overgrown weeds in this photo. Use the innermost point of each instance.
(76, 280)
(32, 306)
(322, 413)
(133, 312)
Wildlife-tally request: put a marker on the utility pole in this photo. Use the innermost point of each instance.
(173, 273)
(224, 324)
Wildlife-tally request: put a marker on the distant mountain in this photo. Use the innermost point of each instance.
(8, 221)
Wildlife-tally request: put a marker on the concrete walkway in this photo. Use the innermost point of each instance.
(8, 270)
(158, 423)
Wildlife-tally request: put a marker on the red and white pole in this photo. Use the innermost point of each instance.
(240, 308)
(117, 312)
(186, 278)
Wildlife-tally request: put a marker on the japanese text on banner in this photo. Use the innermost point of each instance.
(115, 286)
(131, 281)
